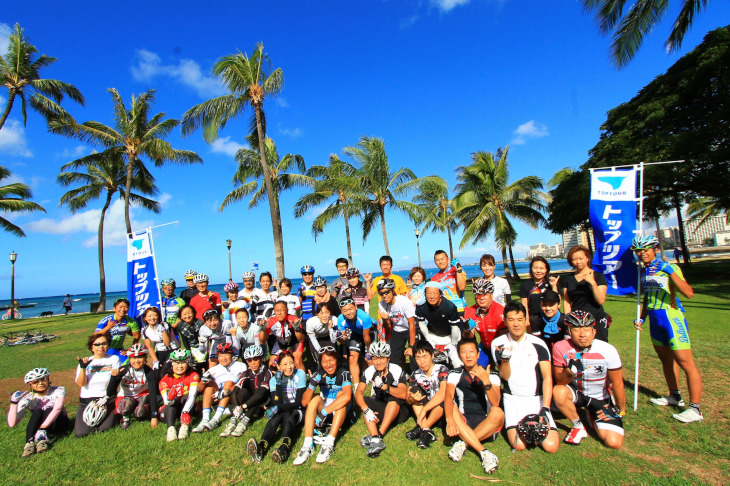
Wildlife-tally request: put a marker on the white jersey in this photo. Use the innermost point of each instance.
(317, 330)
(134, 383)
(527, 353)
(98, 373)
(214, 337)
(501, 290)
(394, 376)
(221, 374)
(597, 361)
(292, 303)
(233, 306)
(429, 383)
(254, 295)
(35, 401)
(399, 312)
(155, 335)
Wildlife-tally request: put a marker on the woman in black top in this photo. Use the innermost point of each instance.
(531, 291)
(586, 290)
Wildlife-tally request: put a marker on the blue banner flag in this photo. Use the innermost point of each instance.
(613, 218)
(143, 290)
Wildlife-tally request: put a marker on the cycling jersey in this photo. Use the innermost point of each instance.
(292, 303)
(447, 279)
(400, 286)
(209, 339)
(188, 294)
(284, 388)
(330, 386)
(169, 307)
(596, 361)
(360, 323)
(202, 303)
(306, 295)
(527, 353)
(338, 285)
(485, 322)
(429, 384)
(244, 339)
(263, 308)
(659, 289)
(98, 373)
(317, 330)
(118, 331)
(282, 331)
(179, 385)
(253, 380)
(240, 303)
(439, 320)
(132, 383)
(398, 312)
(501, 290)
(222, 374)
(469, 394)
(254, 295)
(155, 336)
(358, 293)
(51, 402)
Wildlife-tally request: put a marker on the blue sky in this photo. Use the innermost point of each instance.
(436, 79)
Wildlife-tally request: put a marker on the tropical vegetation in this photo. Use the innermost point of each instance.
(14, 198)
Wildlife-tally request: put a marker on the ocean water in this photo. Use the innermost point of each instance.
(82, 302)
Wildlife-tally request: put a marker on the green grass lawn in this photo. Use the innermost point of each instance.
(657, 450)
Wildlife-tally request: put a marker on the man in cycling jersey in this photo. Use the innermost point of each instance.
(340, 282)
(452, 279)
(439, 323)
(354, 330)
(191, 291)
(524, 367)
(306, 292)
(399, 319)
(169, 303)
(427, 389)
(583, 368)
(205, 299)
(485, 317)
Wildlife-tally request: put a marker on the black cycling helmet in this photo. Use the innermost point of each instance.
(579, 318)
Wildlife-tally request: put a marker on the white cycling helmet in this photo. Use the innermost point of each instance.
(380, 349)
(190, 274)
(37, 374)
(95, 412)
(201, 277)
(320, 281)
(254, 351)
(248, 275)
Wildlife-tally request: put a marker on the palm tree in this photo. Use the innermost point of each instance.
(705, 207)
(338, 180)
(136, 135)
(105, 174)
(485, 200)
(630, 28)
(249, 80)
(14, 199)
(19, 72)
(379, 187)
(246, 180)
(438, 208)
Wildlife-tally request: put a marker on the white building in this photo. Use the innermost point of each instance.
(697, 233)
(576, 236)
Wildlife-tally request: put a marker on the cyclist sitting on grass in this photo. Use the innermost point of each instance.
(426, 394)
(138, 388)
(217, 384)
(178, 388)
(92, 376)
(44, 404)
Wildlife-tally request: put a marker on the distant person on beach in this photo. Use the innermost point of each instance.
(677, 254)
(67, 303)
(191, 291)
(502, 292)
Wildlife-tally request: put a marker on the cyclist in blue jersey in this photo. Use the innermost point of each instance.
(306, 292)
(331, 405)
(355, 328)
(169, 302)
(668, 326)
(118, 325)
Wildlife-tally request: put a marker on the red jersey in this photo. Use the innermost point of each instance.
(284, 332)
(179, 385)
(487, 324)
(202, 304)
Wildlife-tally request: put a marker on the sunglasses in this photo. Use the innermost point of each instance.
(325, 349)
(98, 345)
(308, 273)
(384, 292)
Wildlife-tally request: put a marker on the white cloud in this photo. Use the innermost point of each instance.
(531, 129)
(164, 199)
(408, 22)
(188, 72)
(5, 31)
(88, 222)
(74, 153)
(225, 146)
(280, 101)
(448, 5)
(292, 132)
(406, 257)
(12, 139)
(312, 213)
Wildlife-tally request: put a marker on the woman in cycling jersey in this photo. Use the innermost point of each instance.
(44, 405)
(287, 334)
(92, 376)
(137, 386)
(293, 303)
(417, 291)
(187, 326)
(118, 325)
(323, 296)
(157, 337)
(318, 330)
(178, 389)
(234, 302)
(331, 406)
(285, 410)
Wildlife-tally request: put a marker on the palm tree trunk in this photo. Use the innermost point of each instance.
(451, 245)
(273, 200)
(349, 247)
(127, 189)
(381, 210)
(8, 107)
(682, 237)
(660, 237)
(588, 237)
(512, 261)
(102, 273)
(505, 263)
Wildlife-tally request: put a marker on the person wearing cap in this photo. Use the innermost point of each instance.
(552, 322)
(485, 317)
(191, 291)
(584, 367)
(354, 330)
(205, 299)
(386, 266)
(439, 322)
(217, 384)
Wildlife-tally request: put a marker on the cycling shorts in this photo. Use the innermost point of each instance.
(474, 420)
(668, 327)
(593, 406)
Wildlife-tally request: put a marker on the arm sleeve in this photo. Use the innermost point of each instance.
(312, 335)
(111, 388)
(455, 334)
(55, 411)
(259, 397)
(192, 392)
(15, 415)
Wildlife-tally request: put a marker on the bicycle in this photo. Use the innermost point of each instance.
(6, 316)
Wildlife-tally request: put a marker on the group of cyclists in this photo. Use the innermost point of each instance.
(311, 360)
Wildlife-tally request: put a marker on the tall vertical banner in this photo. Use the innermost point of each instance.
(143, 289)
(613, 218)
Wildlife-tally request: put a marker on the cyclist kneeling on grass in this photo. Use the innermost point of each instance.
(251, 392)
(330, 406)
(583, 367)
(426, 394)
(92, 376)
(471, 406)
(217, 384)
(178, 389)
(386, 406)
(137, 384)
(44, 404)
(285, 409)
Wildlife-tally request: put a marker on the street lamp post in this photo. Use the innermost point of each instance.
(230, 270)
(418, 245)
(13, 257)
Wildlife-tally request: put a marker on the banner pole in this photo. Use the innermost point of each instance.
(638, 288)
(154, 260)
